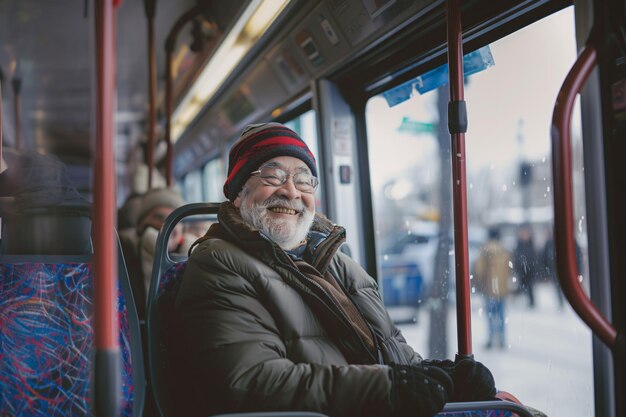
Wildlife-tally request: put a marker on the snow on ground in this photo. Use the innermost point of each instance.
(547, 362)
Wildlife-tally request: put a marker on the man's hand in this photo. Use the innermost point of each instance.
(420, 390)
(472, 380)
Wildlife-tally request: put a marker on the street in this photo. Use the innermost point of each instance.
(547, 360)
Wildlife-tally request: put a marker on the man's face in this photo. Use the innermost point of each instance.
(156, 217)
(282, 212)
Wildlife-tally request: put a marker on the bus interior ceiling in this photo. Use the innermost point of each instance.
(47, 59)
(47, 52)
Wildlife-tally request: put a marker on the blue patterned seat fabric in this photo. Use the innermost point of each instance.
(170, 280)
(46, 341)
(477, 413)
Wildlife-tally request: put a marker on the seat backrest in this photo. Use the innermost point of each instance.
(47, 232)
(171, 395)
(47, 337)
(170, 390)
(495, 408)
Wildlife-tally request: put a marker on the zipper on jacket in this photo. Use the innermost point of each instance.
(336, 309)
(339, 238)
(379, 351)
(345, 320)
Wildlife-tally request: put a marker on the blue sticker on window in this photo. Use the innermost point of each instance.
(473, 62)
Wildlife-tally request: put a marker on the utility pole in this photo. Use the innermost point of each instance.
(438, 300)
(525, 172)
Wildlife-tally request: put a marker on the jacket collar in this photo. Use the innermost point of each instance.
(233, 228)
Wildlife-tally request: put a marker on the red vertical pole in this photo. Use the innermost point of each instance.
(0, 125)
(150, 6)
(170, 45)
(17, 88)
(107, 365)
(168, 114)
(457, 124)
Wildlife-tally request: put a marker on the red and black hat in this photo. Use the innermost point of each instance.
(260, 143)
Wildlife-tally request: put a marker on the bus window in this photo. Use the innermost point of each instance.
(214, 178)
(304, 125)
(193, 187)
(509, 183)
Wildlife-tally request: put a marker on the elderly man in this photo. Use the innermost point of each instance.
(276, 318)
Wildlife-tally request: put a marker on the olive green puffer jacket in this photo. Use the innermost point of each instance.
(262, 336)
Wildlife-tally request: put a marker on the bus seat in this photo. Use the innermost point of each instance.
(497, 408)
(45, 232)
(273, 414)
(46, 343)
(170, 398)
(42, 212)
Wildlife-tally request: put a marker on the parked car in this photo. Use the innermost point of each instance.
(408, 263)
(402, 281)
(402, 287)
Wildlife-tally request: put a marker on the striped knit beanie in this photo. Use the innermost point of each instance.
(260, 143)
(158, 197)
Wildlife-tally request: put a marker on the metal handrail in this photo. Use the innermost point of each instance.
(150, 10)
(1, 123)
(107, 361)
(170, 44)
(563, 198)
(16, 83)
(457, 125)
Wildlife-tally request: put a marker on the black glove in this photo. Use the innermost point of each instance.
(472, 381)
(446, 364)
(420, 390)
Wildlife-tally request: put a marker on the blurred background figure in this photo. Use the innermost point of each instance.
(548, 265)
(492, 274)
(139, 244)
(197, 228)
(525, 263)
(128, 212)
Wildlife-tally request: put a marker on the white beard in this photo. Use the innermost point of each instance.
(281, 231)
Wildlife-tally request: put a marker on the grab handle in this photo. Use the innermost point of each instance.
(563, 201)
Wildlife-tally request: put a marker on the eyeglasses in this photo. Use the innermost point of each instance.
(276, 177)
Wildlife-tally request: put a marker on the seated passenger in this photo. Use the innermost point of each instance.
(127, 213)
(276, 318)
(139, 244)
